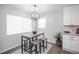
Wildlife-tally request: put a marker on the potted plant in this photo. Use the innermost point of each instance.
(58, 39)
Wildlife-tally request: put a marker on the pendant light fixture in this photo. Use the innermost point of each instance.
(35, 14)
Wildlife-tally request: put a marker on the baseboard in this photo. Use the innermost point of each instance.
(10, 49)
(71, 51)
(51, 42)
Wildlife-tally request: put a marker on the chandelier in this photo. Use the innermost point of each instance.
(35, 14)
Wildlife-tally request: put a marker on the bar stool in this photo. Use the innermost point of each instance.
(36, 43)
(44, 43)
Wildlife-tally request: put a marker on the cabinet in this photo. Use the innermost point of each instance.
(67, 16)
(71, 15)
(71, 43)
(75, 43)
(66, 42)
(75, 15)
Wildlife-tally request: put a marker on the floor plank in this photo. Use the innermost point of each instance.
(57, 50)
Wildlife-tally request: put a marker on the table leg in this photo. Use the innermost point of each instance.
(46, 43)
(40, 47)
(30, 48)
(21, 44)
(43, 46)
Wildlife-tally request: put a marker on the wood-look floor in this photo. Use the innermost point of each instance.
(53, 50)
(57, 50)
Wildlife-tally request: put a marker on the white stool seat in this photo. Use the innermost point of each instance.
(36, 42)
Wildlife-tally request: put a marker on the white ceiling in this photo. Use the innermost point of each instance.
(42, 8)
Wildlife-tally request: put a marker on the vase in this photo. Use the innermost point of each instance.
(34, 32)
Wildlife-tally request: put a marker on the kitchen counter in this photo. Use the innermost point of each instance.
(71, 42)
(70, 34)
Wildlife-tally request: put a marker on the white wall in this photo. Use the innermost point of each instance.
(54, 24)
(8, 41)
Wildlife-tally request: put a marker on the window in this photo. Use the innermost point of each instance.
(26, 25)
(16, 24)
(42, 23)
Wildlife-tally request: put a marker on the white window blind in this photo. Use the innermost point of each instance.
(42, 23)
(16, 24)
(26, 25)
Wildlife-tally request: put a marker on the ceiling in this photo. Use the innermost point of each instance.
(42, 8)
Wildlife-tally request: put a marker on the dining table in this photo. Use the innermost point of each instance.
(31, 37)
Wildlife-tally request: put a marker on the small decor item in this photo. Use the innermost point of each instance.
(34, 32)
(58, 39)
(77, 31)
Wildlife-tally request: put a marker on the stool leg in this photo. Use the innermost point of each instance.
(35, 49)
